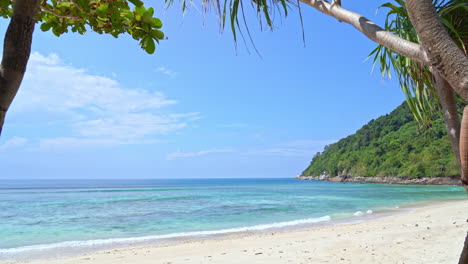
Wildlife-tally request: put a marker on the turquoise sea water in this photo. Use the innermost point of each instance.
(40, 215)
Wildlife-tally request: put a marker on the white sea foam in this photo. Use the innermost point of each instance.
(358, 213)
(110, 241)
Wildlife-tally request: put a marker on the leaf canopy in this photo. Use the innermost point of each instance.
(232, 13)
(416, 79)
(114, 17)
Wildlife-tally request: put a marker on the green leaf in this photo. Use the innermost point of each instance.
(101, 10)
(137, 17)
(5, 3)
(157, 23)
(113, 17)
(45, 26)
(234, 9)
(285, 7)
(147, 18)
(56, 31)
(150, 10)
(157, 34)
(149, 45)
(223, 21)
(137, 3)
(140, 10)
(84, 4)
(267, 14)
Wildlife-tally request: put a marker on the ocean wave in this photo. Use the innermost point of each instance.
(110, 241)
(358, 213)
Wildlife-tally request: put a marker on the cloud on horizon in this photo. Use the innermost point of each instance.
(183, 155)
(296, 148)
(14, 142)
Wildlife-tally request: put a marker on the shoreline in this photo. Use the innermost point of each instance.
(211, 249)
(452, 180)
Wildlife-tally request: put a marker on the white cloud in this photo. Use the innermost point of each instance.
(167, 71)
(307, 143)
(94, 109)
(286, 152)
(14, 142)
(297, 148)
(61, 143)
(71, 142)
(182, 155)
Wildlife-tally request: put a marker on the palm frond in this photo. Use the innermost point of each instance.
(234, 10)
(415, 79)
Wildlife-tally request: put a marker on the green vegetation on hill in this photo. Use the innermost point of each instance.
(391, 145)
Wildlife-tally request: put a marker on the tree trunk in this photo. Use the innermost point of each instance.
(16, 51)
(443, 54)
(371, 30)
(449, 109)
(2, 120)
(464, 148)
(464, 255)
(447, 59)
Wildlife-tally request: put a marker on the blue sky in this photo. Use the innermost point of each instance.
(97, 107)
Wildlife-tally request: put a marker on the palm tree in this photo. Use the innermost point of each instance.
(423, 43)
(423, 87)
(420, 49)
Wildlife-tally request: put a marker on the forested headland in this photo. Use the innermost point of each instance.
(391, 145)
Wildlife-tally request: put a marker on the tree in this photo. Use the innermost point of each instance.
(430, 48)
(112, 17)
(436, 50)
(423, 87)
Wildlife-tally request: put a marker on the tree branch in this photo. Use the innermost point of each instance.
(45, 9)
(78, 6)
(371, 30)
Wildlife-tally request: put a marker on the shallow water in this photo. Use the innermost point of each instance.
(48, 214)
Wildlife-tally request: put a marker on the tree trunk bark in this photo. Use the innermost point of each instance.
(16, 51)
(2, 120)
(447, 59)
(371, 30)
(443, 54)
(449, 109)
(464, 148)
(464, 255)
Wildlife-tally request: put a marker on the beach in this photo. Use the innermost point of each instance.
(428, 234)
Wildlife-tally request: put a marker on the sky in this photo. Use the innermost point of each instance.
(94, 106)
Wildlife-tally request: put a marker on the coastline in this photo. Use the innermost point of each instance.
(452, 180)
(427, 234)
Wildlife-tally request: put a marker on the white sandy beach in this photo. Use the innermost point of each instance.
(432, 234)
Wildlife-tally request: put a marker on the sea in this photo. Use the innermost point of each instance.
(44, 218)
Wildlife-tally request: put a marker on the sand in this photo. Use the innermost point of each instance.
(430, 234)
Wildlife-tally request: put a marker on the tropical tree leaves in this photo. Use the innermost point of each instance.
(231, 13)
(114, 17)
(416, 79)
